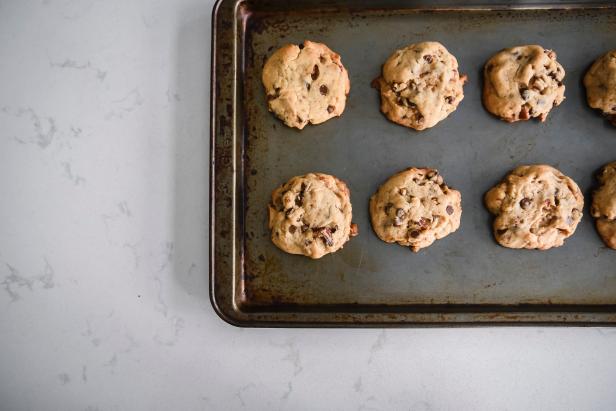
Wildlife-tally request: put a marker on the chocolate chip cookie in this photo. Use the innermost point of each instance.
(311, 215)
(414, 208)
(305, 84)
(536, 207)
(420, 85)
(604, 205)
(523, 82)
(600, 82)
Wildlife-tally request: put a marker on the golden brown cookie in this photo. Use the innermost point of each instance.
(305, 84)
(600, 82)
(604, 205)
(420, 85)
(311, 215)
(536, 207)
(523, 82)
(414, 208)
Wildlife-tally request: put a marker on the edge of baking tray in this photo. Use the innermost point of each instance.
(226, 224)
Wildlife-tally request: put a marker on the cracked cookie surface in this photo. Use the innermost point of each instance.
(305, 84)
(420, 85)
(414, 208)
(600, 83)
(523, 82)
(604, 205)
(311, 215)
(536, 207)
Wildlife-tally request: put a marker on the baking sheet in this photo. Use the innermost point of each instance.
(465, 278)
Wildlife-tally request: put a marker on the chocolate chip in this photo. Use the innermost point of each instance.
(325, 234)
(449, 209)
(614, 108)
(330, 109)
(501, 231)
(323, 89)
(525, 202)
(315, 72)
(334, 229)
(292, 229)
(400, 214)
(388, 207)
(301, 46)
(414, 234)
(299, 119)
(428, 58)
(354, 230)
(449, 99)
(299, 199)
(423, 222)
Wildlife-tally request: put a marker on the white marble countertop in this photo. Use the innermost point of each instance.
(103, 237)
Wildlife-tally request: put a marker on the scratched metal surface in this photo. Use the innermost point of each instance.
(471, 149)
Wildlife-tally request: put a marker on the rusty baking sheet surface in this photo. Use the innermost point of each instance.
(464, 279)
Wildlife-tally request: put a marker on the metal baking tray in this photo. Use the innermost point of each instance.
(463, 279)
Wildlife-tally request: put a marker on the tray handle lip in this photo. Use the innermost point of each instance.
(221, 9)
